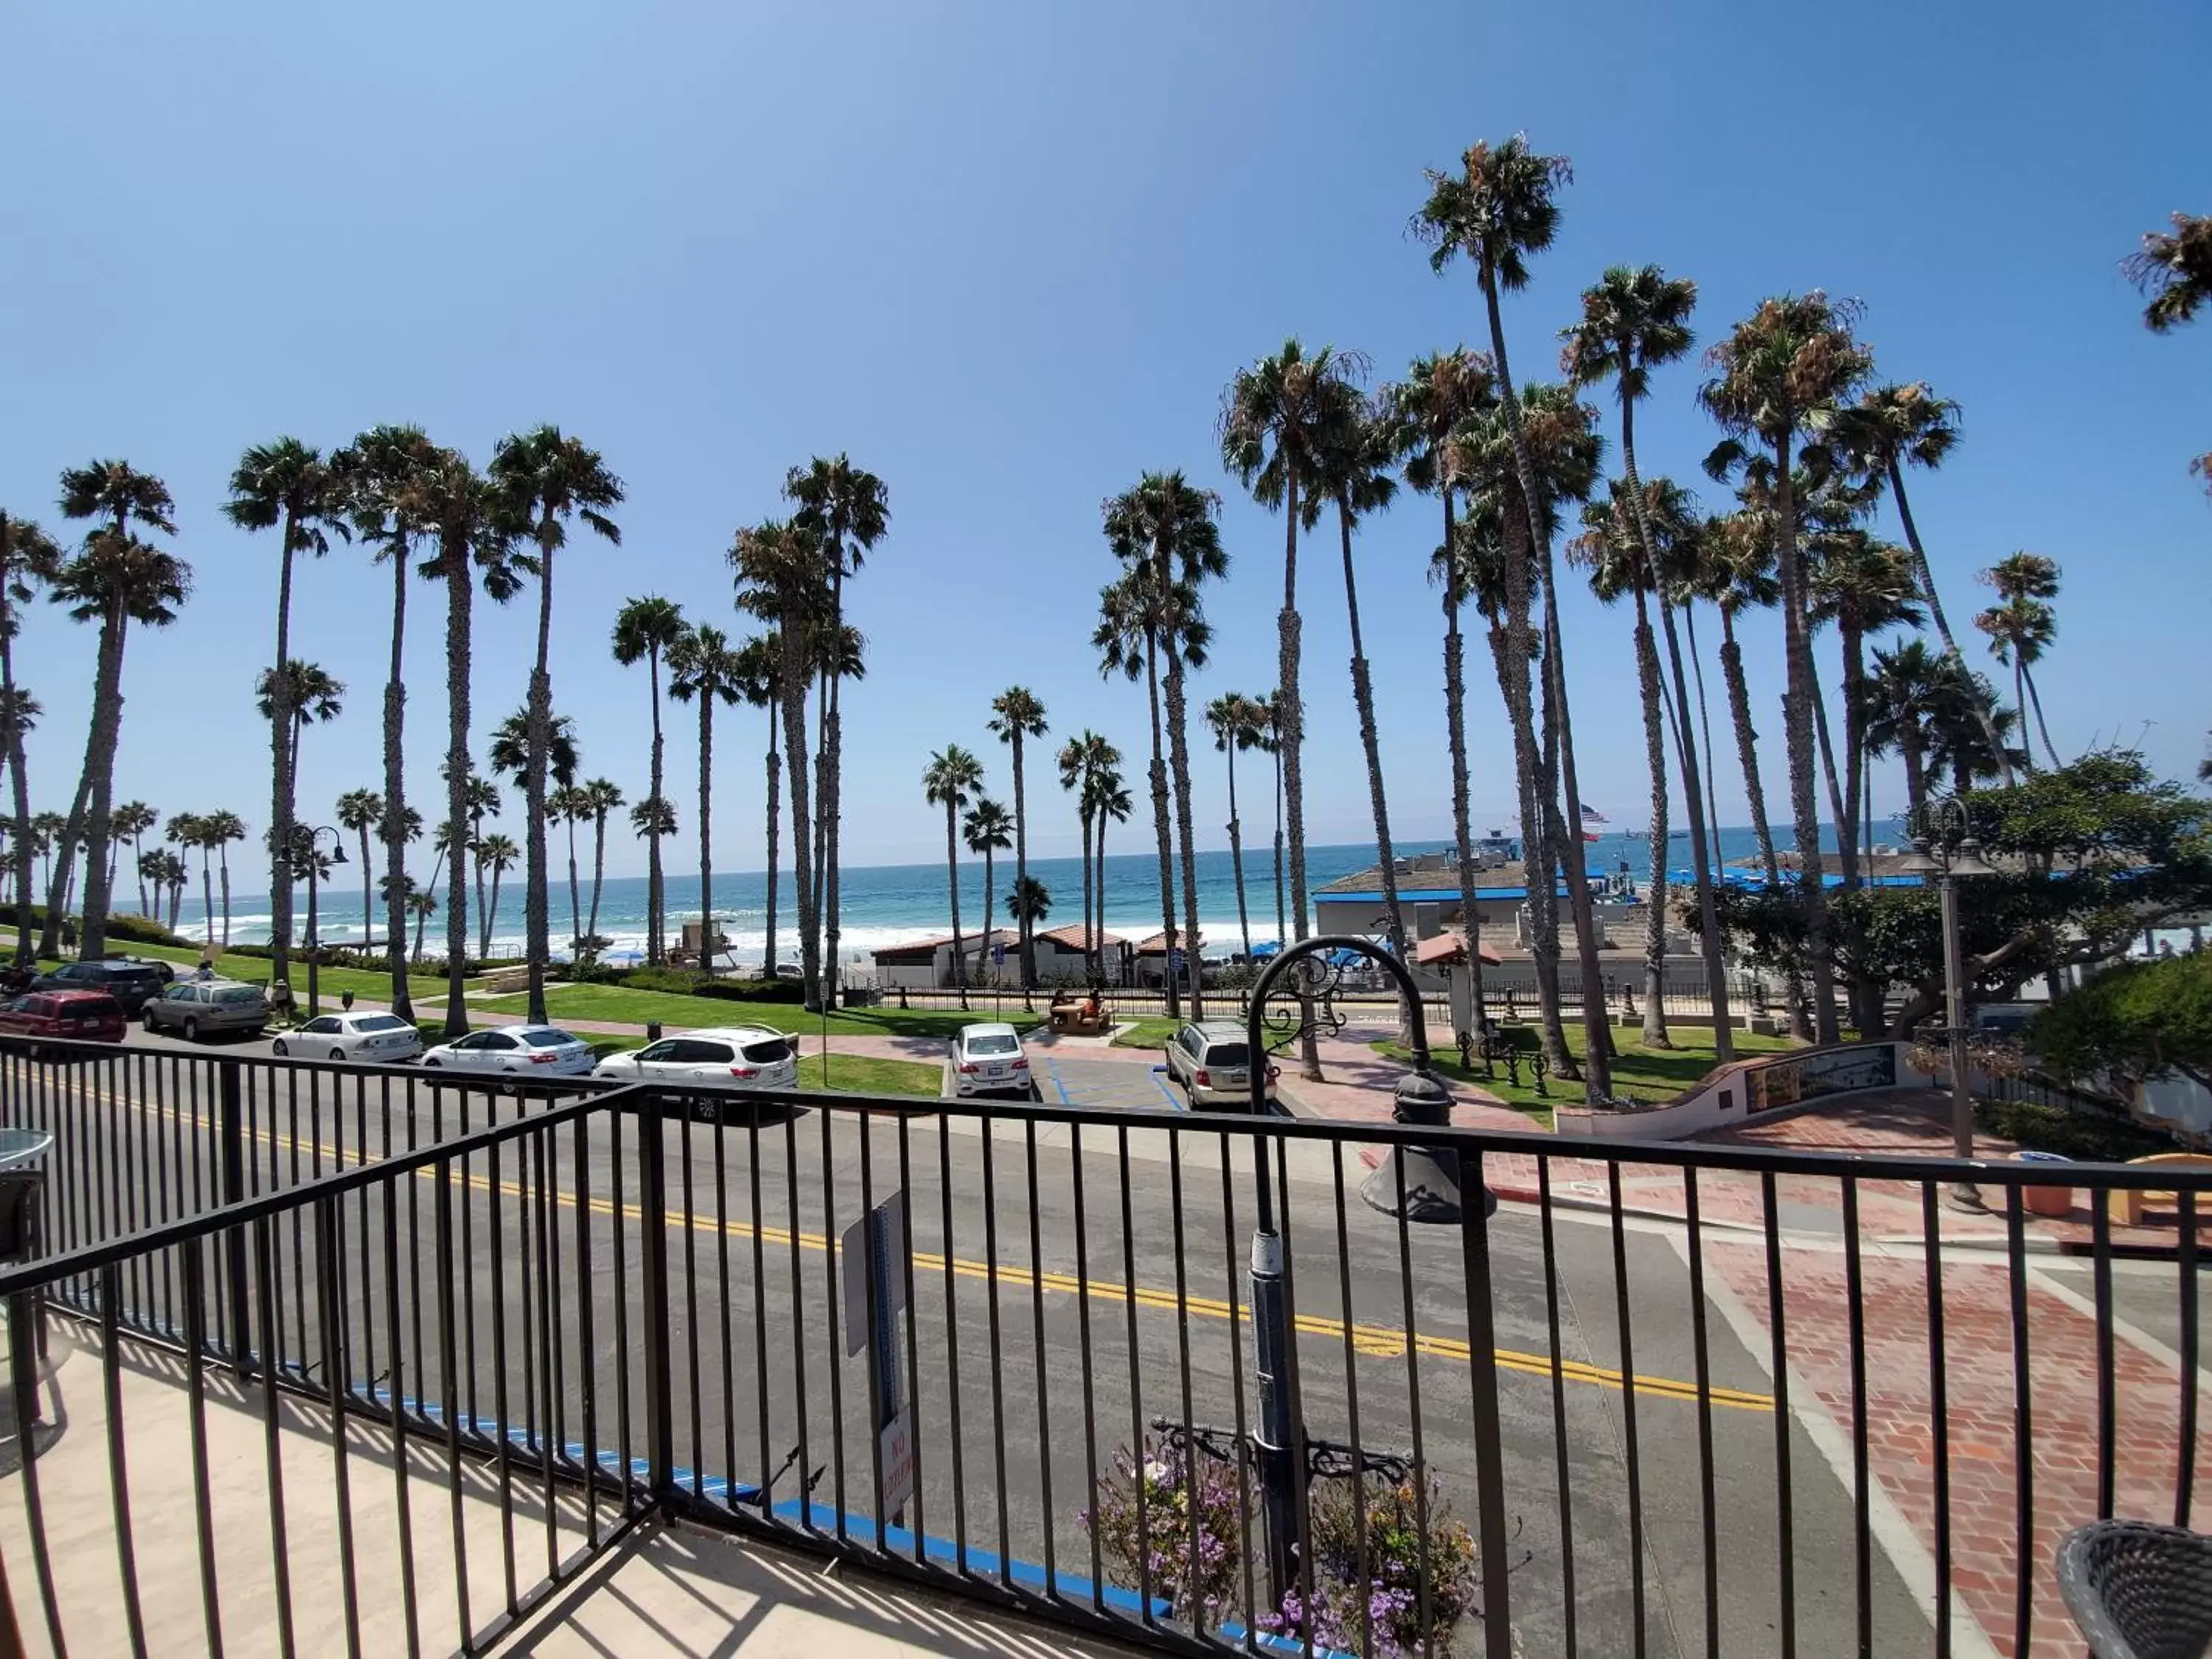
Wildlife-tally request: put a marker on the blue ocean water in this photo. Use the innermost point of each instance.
(888, 904)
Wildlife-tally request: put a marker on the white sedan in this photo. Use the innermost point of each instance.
(372, 1039)
(721, 1057)
(988, 1060)
(535, 1050)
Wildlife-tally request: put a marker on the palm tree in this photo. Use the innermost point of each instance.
(116, 578)
(644, 630)
(1073, 777)
(421, 905)
(1899, 703)
(220, 829)
(1017, 714)
(480, 797)
(1612, 547)
(759, 660)
(166, 873)
(782, 577)
(1274, 421)
(1736, 571)
(496, 854)
(988, 828)
(1134, 616)
(1499, 208)
(1441, 393)
(569, 805)
(285, 486)
(1634, 321)
(1237, 722)
(601, 798)
(317, 697)
(848, 510)
(1028, 901)
(1272, 742)
(1107, 797)
(2174, 269)
(950, 780)
(547, 477)
(476, 536)
(188, 831)
(1169, 525)
(379, 469)
(1887, 429)
(46, 828)
(509, 752)
(29, 560)
(2020, 626)
(116, 581)
(131, 820)
(361, 811)
(1781, 373)
(1957, 747)
(1355, 474)
(1865, 587)
(703, 665)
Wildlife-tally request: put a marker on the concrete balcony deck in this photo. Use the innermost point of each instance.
(663, 1590)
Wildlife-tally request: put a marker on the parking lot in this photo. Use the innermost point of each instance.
(1119, 1084)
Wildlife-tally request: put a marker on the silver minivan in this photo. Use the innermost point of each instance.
(206, 1008)
(1213, 1061)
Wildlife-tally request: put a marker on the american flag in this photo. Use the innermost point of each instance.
(1591, 814)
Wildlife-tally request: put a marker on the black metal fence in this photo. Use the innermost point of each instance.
(1667, 1400)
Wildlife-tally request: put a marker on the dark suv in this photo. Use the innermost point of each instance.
(130, 982)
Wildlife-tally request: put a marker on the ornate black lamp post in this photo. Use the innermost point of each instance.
(1308, 976)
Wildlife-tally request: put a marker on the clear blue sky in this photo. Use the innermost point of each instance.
(1007, 255)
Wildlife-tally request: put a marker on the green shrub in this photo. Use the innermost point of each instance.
(136, 930)
(680, 983)
(2081, 1135)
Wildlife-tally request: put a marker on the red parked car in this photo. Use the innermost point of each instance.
(83, 1016)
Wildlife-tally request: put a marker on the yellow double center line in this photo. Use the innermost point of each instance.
(1372, 1341)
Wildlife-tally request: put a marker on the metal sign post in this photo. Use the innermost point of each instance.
(872, 1282)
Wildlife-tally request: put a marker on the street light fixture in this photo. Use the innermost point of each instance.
(1946, 849)
(315, 943)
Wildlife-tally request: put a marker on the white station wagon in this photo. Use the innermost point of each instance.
(373, 1039)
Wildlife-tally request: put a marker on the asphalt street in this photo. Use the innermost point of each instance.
(1063, 1298)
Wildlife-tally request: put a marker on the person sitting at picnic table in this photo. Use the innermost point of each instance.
(1091, 1009)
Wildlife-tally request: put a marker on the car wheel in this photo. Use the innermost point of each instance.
(192, 1031)
(279, 1047)
(146, 1022)
(432, 1065)
(338, 1054)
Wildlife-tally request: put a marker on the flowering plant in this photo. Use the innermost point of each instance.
(1398, 1550)
(1141, 1514)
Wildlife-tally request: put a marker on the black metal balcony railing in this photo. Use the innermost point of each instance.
(468, 1340)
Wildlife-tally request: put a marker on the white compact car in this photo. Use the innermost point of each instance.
(373, 1039)
(721, 1057)
(988, 1060)
(538, 1051)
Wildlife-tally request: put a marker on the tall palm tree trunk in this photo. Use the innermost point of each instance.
(1598, 1017)
(536, 899)
(484, 905)
(1161, 833)
(655, 941)
(1916, 774)
(1025, 922)
(1282, 927)
(1363, 697)
(775, 803)
(2019, 701)
(1655, 756)
(792, 685)
(138, 857)
(1179, 759)
(395, 805)
(1092, 964)
(575, 890)
(1746, 746)
(1100, 936)
(1694, 795)
(20, 824)
(706, 831)
(1290, 723)
(1951, 652)
(832, 788)
(1236, 859)
(59, 876)
(222, 860)
(460, 595)
(598, 869)
(283, 768)
(207, 895)
(1539, 869)
(368, 892)
(106, 727)
(1470, 910)
(1799, 744)
(1706, 731)
(984, 950)
(952, 883)
(2035, 701)
(1519, 708)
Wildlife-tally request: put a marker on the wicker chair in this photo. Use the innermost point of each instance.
(2139, 1591)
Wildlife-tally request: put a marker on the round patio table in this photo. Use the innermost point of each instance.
(20, 1146)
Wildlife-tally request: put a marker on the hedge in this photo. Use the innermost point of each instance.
(137, 930)
(727, 990)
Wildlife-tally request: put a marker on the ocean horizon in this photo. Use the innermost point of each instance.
(883, 905)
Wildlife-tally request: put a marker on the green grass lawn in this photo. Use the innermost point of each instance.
(1638, 1073)
(429, 994)
(860, 1075)
(622, 1006)
(1146, 1033)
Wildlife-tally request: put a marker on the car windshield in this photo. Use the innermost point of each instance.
(995, 1042)
(547, 1039)
(1227, 1054)
(237, 994)
(381, 1023)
